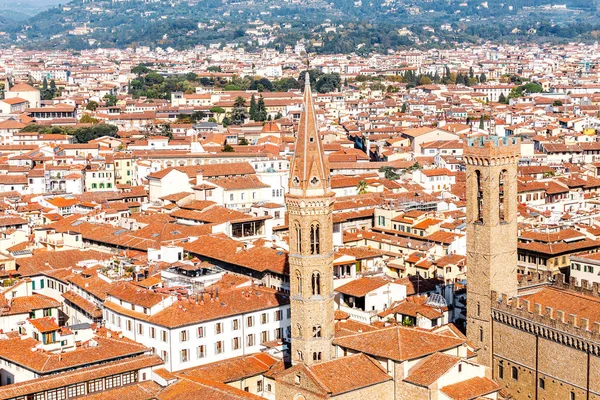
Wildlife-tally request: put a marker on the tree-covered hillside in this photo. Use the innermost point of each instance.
(324, 26)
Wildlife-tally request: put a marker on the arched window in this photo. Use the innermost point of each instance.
(298, 232)
(299, 282)
(480, 334)
(542, 383)
(478, 309)
(316, 283)
(299, 355)
(479, 197)
(501, 205)
(299, 330)
(515, 373)
(317, 331)
(314, 239)
(317, 356)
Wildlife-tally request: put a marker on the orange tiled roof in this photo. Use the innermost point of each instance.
(362, 286)
(230, 302)
(427, 371)
(473, 388)
(398, 343)
(19, 351)
(233, 369)
(79, 375)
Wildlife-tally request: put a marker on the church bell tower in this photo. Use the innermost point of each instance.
(491, 232)
(310, 207)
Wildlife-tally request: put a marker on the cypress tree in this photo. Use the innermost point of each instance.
(253, 109)
(261, 112)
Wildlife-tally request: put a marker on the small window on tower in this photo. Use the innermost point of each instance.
(312, 139)
(296, 181)
(479, 197)
(314, 181)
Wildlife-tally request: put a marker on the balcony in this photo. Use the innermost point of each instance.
(359, 315)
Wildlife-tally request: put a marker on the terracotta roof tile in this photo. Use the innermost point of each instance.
(398, 343)
(473, 388)
(430, 369)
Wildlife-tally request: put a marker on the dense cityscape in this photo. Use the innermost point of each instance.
(276, 221)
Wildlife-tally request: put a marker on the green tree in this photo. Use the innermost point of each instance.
(214, 68)
(327, 82)
(253, 109)
(243, 141)
(404, 108)
(261, 110)
(482, 78)
(197, 116)
(502, 99)
(557, 103)
(362, 187)
(227, 148)
(154, 78)
(481, 123)
(85, 134)
(110, 100)
(424, 80)
(238, 112)
(165, 130)
(91, 105)
(140, 70)
(389, 173)
(218, 111)
(415, 167)
(88, 119)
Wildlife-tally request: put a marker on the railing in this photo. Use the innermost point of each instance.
(359, 315)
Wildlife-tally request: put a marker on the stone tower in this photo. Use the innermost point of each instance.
(310, 206)
(491, 232)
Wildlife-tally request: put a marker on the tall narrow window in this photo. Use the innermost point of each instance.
(479, 197)
(480, 334)
(316, 283)
(299, 281)
(298, 238)
(314, 239)
(501, 205)
(478, 310)
(501, 370)
(515, 373)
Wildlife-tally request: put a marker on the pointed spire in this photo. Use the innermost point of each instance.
(309, 170)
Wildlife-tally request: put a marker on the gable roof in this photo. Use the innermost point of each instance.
(398, 343)
(428, 370)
